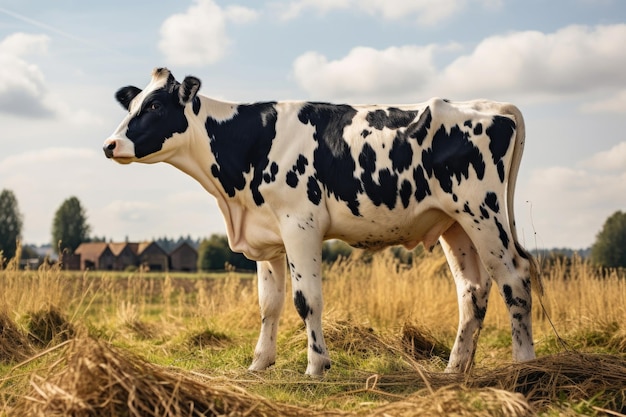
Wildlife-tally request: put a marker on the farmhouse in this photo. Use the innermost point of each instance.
(122, 255)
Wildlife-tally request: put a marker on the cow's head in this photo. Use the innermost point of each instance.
(155, 114)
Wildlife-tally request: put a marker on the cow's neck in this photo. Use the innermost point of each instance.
(195, 159)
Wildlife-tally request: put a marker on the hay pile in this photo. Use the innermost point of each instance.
(49, 325)
(89, 377)
(420, 344)
(567, 376)
(14, 345)
(92, 378)
(458, 401)
(95, 379)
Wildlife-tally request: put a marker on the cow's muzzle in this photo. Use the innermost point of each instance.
(108, 149)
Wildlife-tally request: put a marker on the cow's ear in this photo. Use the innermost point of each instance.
(126, 94)
(188, 90)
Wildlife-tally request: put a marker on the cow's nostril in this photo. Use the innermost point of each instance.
(108, 149)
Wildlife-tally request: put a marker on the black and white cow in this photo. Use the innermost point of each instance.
(288, 175)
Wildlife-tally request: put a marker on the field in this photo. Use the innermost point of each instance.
(148, 344)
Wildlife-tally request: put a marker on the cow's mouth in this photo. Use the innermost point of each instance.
(124, 160)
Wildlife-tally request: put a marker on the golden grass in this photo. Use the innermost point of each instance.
(90, 377)
(375, 311)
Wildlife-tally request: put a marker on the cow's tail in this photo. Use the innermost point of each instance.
(518, 150)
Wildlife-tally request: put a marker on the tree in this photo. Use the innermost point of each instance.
(609, 249)
(213, 253)
(333, 249)
(69, 228)
(10, 224)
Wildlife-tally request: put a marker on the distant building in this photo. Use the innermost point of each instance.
(153, 257)
(184, 258)
(120, 256)
(95, 255)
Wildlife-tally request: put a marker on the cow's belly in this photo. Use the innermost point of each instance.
(388, 228)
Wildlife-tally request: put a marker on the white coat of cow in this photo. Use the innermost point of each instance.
(288, 175)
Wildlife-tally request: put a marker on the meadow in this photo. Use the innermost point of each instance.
(152, 344)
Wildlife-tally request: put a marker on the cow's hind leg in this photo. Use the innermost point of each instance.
(510, 267)
(473, 285)
(271, 281)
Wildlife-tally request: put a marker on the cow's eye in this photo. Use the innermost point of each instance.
(154, 106)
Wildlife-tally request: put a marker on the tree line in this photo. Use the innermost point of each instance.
(70, 229)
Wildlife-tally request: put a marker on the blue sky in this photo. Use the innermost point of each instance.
(562, 62)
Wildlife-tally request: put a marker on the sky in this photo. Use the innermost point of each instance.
(562, 62)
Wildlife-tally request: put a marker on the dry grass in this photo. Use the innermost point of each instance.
(91, 378)
(14, 345)
(375, 311)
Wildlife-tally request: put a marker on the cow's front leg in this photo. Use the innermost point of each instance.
(271, 282)
(304, 256)
(307, 298)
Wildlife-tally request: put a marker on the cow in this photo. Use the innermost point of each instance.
(288, 175)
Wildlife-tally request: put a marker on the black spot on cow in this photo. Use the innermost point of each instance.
(385, 190)
(302, 307)
(479, 312)
(478, 129)
(365, 133)
(333, 163)
(504, 238)
(500, 134)
(161, 116)
(467, 209)
(405, 193)
(521, 251)
(483, 212)
(196, 105)
(451, 156)
(467, 123)
(271, 176)
(241, 144)
(419, 130)
(422, 189)
(491, 200)
(401, 154)
(393, 118)
(292, 179)
(313, 191)
(508, 295)
(296, 170)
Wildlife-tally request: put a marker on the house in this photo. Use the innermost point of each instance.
(95, 255)
(125, 254)
(119, 256)
(152, 256)
(184, 258)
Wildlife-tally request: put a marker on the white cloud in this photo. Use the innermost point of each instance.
(575, 201)
(529, 65)
(425, 12)
(365, 71)
(45, 156)
(575, 59)
(22, 86)
(615, 103)
(294, 9)
(198, 36)
(612, 160)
